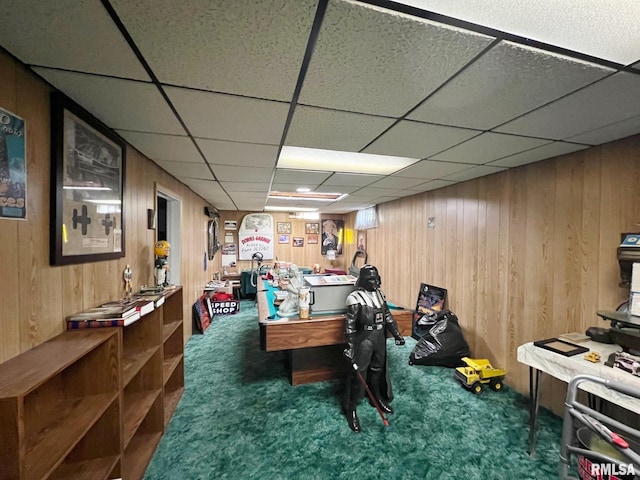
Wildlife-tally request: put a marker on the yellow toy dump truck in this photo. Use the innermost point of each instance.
(479, 373)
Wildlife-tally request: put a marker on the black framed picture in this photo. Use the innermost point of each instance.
(562, 347)
(87, 186)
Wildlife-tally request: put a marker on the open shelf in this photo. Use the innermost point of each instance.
(93, 404)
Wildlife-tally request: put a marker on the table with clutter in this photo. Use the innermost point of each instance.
(565, 368)
(314, 345)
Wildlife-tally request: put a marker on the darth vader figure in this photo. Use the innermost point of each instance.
(367, 322)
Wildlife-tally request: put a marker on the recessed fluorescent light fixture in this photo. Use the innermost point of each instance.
(300, 158)
(290, 209)
(313, 196)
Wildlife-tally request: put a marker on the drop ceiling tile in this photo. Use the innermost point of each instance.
(299, 177)
(611, 100)
(351, 179)
(163, 147)
(334, 130)
(69, 35)
(549, 150)
(372, 60)
(246, 187)
(431, 169)
(226, 173)
(206, 185)
(434, 185)
(336, 189)
(484, 96)
(227, 117)
(396, 182)
(488, 147)
(219, 152)
(121, 104)
(474, 172)
(187, 169)
(418, 140)
(249, 48)
(609, 133)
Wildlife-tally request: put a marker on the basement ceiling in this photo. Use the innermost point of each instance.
(213, 90)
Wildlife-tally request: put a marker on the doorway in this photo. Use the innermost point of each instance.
(169, 213)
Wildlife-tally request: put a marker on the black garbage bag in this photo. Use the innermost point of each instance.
(441, 341)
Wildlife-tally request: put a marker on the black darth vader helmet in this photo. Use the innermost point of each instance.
(369, 279)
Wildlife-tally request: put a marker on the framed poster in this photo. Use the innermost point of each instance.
(87, 186)
(284, 227)
(283, 238)
(332, 234)
(298, 241)
(312, 239)
(13, 166)
(312, 228)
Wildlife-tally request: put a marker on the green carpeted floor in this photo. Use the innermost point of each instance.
(240, 419)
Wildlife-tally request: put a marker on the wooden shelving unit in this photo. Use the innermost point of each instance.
(60, 408)
(93, 404)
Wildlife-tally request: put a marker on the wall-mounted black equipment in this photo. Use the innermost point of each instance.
(628, 254)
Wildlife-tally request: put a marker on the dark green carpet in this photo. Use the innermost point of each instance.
(239, 418)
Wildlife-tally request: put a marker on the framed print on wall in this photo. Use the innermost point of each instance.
(298, 241)
(87, 186)
(283, 238)
(312, 228)
(284, 227)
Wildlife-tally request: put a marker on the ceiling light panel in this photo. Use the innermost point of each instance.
(97, 46)
(350, 162)
(484, 96)
(228, 117)
(219, 152)
(581, 25)
(613, 99)
(418, 140)
(488, 147)
(372, 60)
(334, 130)
(121, 104)
(219, 46)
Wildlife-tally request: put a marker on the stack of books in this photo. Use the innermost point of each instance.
(98, 317)
(156, 298)
(120, 313)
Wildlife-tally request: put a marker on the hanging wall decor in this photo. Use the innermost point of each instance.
(87, 186)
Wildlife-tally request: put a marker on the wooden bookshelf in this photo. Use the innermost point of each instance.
(94, 403)
(60, 408)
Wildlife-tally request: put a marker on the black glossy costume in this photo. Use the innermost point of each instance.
(367, 322)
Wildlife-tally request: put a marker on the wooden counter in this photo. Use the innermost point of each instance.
(314, 345)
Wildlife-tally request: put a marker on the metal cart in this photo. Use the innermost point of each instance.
(617, 445)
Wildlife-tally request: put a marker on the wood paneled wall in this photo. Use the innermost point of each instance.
(35, 297)
(525, 254)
